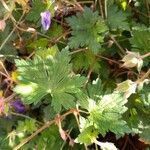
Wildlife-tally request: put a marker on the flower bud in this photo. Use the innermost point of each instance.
(45, 20)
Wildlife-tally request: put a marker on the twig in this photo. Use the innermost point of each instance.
(117, 75)
(74, 3)
(30, 55)
(60, 22)
(115, 62)
(139, 12)
(63, 35)
(77, 51)
(62, 147)
(78, 5)
(9, 11)
(86, 2)
(3, 74)
(6, 72)
(10, 34)
(108, 59)
(83, 49)
(9, 98)
(4, 56)
(46, 125)
(96, 146)
(24, 116)
(101, 9)
(68, 2)
(117, 44)
(94, 5)
(82, 111)
(5, 5)
(33, 135)
(131, 143)
(88, 76)
(148, 11)
(78, 124)
(21, 115)
(105, 8)
(125, 143)
(41, 34)
(143, 77)
(145, 55)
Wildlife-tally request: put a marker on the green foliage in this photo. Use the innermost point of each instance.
(106, 115)
(137, 116)
(39, 77)
(140, 39)
(143, 112)
(5, 127)
(48, 112)
(28, 126)
(8, 49)
(117, 19)
(34, 13)
(84, 60)
(55, 31)
(87, 30)
(86, 91)
(47, 52)
(95, 90)
(50, 139)
(139, 42)
(87, 136)
(23, 128)
(2, 11)
(40, 43)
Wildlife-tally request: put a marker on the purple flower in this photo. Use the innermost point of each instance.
(45, 20)
(18, 106)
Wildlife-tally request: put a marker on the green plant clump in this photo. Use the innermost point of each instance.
(74, 74)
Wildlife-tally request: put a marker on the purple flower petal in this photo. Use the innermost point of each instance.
(45, 20)
(18, 106)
